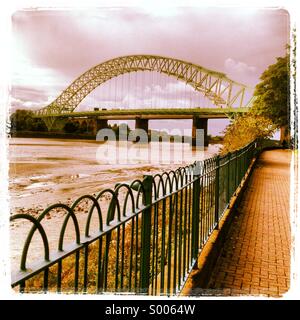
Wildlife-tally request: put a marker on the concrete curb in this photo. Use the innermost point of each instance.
(200, 276)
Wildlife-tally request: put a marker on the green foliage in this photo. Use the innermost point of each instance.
(244, 129)
(273, 93)
(23, 120)
(270, 109)
(71, 127)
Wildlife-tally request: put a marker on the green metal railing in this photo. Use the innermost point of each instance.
(148, 234)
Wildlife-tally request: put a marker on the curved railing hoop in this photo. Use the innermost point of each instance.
(64, 226)
(160, 184)
(89, 217)
(111, 209)
(129, 193)
(37, 225)
(168, 180)
(138, 186)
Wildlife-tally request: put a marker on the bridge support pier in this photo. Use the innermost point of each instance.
(199, 123)
(100, 124)
(142, 124)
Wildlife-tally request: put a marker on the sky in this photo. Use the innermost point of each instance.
(51, 48)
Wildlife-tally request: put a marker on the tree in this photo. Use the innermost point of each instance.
(244, 129)
(272, 95)
(23, 120)
(71, 127)
(37, 124)
(269, 112)
(20, 120)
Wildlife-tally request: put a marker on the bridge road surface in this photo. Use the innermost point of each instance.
(255, 259)
(256, 255)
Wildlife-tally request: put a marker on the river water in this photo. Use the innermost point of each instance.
(46, 171)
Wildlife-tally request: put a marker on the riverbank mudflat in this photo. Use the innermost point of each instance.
(43, 172)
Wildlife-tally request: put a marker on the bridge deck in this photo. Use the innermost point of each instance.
(153, 113)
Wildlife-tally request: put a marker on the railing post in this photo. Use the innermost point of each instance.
(217, 180)
(146, 235)
(195, 212)
(236, 172)
(245, 161)
(228, 178)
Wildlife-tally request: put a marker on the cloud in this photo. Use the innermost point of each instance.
(73, 41)
(241, 71)
(238, 67)
(53, 47)
(16, 103)
(23, 97)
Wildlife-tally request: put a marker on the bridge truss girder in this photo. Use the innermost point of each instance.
(222, 91)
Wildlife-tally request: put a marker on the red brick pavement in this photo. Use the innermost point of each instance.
(255, 259)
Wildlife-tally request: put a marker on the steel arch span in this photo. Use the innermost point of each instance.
(221, 90)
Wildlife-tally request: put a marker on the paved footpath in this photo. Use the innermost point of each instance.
(256, 255)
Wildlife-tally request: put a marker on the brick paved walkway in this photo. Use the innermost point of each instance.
(256, 256)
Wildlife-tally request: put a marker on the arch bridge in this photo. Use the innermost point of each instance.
(227, 96)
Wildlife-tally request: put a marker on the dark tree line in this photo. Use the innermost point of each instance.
(23, 120)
